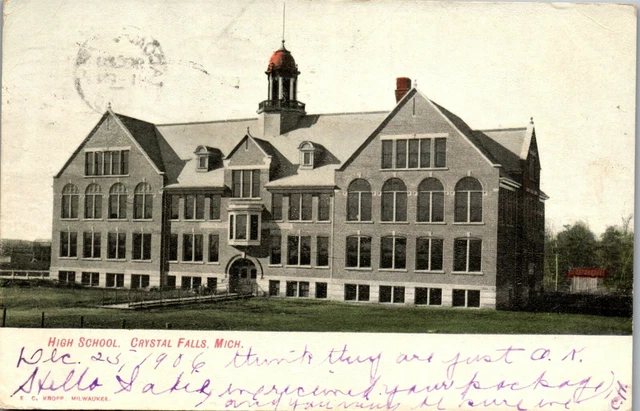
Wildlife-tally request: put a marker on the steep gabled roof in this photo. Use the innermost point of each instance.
(145, 135)
(339, 134)
(141, 132)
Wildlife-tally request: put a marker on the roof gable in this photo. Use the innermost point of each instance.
(247, 152)
(140, 133)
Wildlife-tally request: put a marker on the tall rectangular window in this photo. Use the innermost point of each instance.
(214, 246)
(245, 183)
(358, 252)
(91, 245)
(299, 250)
(300, 207)
(117, 246)
(194, 207)
(467, 255)
(141, 246)
(294, 206)
(214, 207)
(174, 200)
(414, 147)
(192, 245)
(429, 253)
(173, 247)
(68, 244)
(324, 207)
(425, 152)
(441, 152)
(275, 257)
(387, 154)
(401, 153)
(393, 253)
(306, 207)
(322, 258)
(276, 206)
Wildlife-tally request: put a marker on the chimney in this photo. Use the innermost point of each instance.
(403, 85)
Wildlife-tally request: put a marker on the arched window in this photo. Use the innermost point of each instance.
(430, 201)
(93, 201)
(69, 201)
(394, 200)
(359, 201)
(118, 201)
(142, 202)
(468, 202)
(393, 253)
(358, 252)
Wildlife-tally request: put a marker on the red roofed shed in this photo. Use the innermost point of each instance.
(586, 279)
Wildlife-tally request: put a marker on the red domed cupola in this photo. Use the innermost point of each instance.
(282, 102)
(282, 62)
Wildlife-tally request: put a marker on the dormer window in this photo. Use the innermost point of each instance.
(309, 154)
(206, 158)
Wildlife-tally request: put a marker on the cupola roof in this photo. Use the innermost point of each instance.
(282, 62)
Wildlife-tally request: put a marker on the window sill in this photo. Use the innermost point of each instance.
(91, 258)
(467, 223)
(69, 219)
(117, 219)
(192, 262)
(322, 221)
(394, 222)
(298, 266)
(275, 265)
(116, 259)
(431, 223)
(213, 262)
(193, 220)
(141, 261)
(300, 221)
(358, 222)
(173, 261)
(429, 272)
(467, 273)
(393, 270)
(93, 219)
(67, 258)
(143, 219)
(322, 267)
(358, 268)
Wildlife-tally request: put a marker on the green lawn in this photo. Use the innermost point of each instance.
(63, 308)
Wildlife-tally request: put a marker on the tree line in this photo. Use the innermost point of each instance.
(576, 246)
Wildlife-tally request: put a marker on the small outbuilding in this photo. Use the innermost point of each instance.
(586, 280)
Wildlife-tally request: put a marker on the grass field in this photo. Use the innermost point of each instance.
(63, 308)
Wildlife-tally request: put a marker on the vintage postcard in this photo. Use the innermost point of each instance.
(317, 205)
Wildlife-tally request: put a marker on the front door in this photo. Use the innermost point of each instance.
(242, 276)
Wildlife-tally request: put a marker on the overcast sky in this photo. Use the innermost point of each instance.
(570, 67)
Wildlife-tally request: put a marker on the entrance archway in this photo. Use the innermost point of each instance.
(242, 276)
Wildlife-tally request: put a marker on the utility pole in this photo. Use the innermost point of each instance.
(556, 271)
